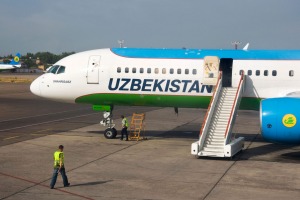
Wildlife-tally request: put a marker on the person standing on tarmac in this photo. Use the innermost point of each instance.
(124, 127)
(59, 167)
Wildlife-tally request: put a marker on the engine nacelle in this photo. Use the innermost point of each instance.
(280, 120)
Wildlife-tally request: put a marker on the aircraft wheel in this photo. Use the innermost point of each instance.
(115, 132)
(110, 133)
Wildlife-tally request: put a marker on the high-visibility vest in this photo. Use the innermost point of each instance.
(58, 155)
(124, 122)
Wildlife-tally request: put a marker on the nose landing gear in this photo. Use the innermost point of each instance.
(110, 132)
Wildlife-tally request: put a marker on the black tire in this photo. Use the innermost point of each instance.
(110, 133)
(115, 132)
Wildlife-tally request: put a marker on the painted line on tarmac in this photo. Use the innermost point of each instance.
(9, 138)
(38, 132)
(8, 120)
(57, 120)
(40, 184)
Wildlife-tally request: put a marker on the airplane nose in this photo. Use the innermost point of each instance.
(35, 87)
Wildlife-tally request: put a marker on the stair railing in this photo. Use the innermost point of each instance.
(234, 108)
(210, 112)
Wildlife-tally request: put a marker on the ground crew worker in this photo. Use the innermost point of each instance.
(124, 127)
(59, 167)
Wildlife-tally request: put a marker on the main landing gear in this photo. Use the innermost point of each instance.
(110, 132)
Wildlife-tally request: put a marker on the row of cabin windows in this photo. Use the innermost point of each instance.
(194, 71)
(157, 70)
(265, 72)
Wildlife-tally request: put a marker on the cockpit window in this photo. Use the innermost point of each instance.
(53, 69)
(56, 69)
(61, 70)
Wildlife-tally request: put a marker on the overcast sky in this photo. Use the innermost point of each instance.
(76, 25)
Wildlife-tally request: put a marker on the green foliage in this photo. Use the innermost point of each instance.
(6, 61)
(46, 58)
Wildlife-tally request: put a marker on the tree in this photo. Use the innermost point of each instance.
(46, 58)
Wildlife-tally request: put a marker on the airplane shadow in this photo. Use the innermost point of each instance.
(158, 134)
(259, 149)
(272, 153)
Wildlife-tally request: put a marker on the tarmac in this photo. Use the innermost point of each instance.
(160, 167)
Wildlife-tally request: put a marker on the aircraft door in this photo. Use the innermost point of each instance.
(226, 68)
(93, 70)
(211, 70)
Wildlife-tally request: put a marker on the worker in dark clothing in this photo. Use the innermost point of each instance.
(124, 128)
(59, 167)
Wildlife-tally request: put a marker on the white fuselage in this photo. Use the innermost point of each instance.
(98, 72)
(9, 66)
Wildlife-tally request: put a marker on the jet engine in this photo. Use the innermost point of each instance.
(280, 120)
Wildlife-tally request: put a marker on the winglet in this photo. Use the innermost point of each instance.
(246, 47)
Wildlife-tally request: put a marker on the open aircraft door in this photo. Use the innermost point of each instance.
(211, 70)
(93, 70)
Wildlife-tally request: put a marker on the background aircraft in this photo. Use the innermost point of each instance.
(14, 63)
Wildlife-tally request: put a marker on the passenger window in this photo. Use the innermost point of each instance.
(171, 71)
(134, 70)
(194, 71)
(186, 71)
(241, 72)
(178, 71)
(257, 72)
(61, 70)
(274, 73)
(119, 69)
(126, 70)
(149, 70)
(141, 70)
(291, 73)
(164, 71)
(156, 71)
(249, 72)
(266, 73)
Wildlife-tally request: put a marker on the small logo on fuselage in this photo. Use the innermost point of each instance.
(289, 120)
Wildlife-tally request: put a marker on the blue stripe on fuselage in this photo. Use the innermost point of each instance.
(200, 54)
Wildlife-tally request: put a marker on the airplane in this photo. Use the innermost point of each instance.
(14, 64)
(181, 78)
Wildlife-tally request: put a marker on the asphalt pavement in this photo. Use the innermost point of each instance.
(160, 167)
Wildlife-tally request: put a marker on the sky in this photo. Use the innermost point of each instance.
(58, 26)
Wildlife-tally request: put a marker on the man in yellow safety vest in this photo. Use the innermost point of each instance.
(124, 127)
(59, 167)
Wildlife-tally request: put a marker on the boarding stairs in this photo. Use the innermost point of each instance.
(216, 139)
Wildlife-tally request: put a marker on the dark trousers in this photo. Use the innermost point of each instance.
(63, 175)
(124, 131)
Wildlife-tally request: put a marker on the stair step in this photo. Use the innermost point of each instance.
(215, 144)
(219, 149)
(219, 126)
(217, 132)
(212, 154)
(221, 146)
(216, 137)
(212, 141)
(221, 120)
